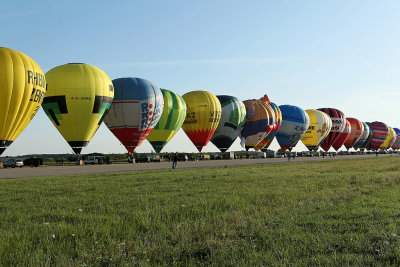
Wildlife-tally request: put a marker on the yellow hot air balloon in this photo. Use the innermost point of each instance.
(203, 113)
(170, 122)
(319, 128)
(77, 100)
(22, 89)
(389, 139)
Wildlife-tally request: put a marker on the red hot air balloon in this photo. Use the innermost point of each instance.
(357, 129)
(338, 125)
(136, 109)
(342, 137)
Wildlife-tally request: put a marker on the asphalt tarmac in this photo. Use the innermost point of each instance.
(10, 173)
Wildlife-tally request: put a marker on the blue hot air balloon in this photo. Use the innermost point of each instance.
(295, 122)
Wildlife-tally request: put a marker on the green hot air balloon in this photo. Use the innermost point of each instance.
(170, 122)
(233, 117)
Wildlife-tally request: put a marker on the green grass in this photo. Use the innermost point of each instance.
(309, 213)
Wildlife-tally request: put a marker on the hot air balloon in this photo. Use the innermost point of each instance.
(380, 132)
(266, 142)
(136, 109)
(342, 137)
(77, 99)
(257, 124)
(233, 117)
(22, 89)
(338, 124)
(170, 122)
(295, 122)
(367, 144)
(363, 137)
(203, 113)
(393, 140)
(357, 129)
(396, 144)
(390, 139)
(319, 128)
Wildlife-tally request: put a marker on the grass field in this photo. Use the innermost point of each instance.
(314, 213)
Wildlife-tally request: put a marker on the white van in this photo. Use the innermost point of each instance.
(94, 160)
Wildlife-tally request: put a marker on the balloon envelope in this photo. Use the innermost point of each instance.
(363, 137)
(380, 132)
(295, 122)
(390, 139)
(266, 142)
(367, 144)
(342, 137)
(203, 113)
(136, 109)
(396, 144)
(357, 129)
(257, 122)
(171, 120)
(319, 128)
(77, 99)
(233, 117)
(338, 125)
(22, 89)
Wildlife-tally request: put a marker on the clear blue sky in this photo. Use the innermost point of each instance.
(342, 54)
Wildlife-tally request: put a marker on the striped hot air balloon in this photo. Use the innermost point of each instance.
(363, 137)
(266, 142)
(380, 132)
(396, 144)
(357, 129)
(171, 120)
(338, 125)
(319, 128)
(233, 117)
(295, 122)
(342, 137)
(257, 123)
(136, 109)
(203, 113)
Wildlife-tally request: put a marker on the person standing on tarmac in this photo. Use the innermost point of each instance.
(174, 161)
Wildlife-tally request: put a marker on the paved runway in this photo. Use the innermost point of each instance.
(10, 173)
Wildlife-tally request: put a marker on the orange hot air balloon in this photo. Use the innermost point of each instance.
(257, 123)
(203, 113)
(264, 144)
(357, 129)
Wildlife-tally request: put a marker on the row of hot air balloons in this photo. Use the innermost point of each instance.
(78, 98)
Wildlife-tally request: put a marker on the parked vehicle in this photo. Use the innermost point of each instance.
(143, 159)
(259, 155)
(13, 163)
(270, 154)
(33, 162)
(94, 160)
(228, 155)
(155, 158)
